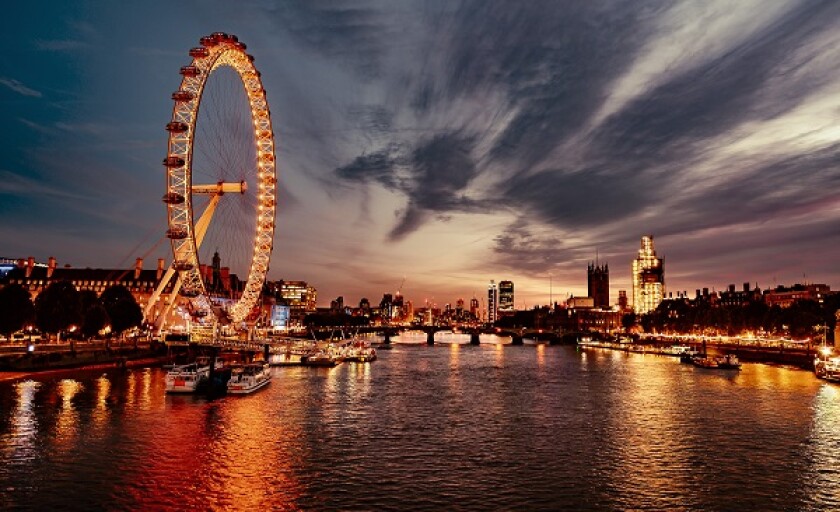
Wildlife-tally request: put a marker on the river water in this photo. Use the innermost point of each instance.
(449, 427)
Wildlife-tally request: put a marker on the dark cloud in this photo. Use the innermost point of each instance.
(433, 176)
(379, 166)
(581, 198)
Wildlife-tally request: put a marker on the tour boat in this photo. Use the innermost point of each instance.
(357, 351)
(186, 378)
(828, 366)
(680, 351)
(726, 362)
(319, 358)
(248, 378)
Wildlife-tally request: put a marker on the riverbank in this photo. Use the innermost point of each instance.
(799, 357)
(16, 366)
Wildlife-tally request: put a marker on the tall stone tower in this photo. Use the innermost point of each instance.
(598, 284)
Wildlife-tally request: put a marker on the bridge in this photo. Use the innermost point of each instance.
(517, 335)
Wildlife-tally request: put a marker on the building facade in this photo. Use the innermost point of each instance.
(598, 284)
(648, 278)
(492, 302)
(505, 298)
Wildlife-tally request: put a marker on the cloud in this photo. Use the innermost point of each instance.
(433, 176)
(19, 88)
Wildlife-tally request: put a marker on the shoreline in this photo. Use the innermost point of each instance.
(115, 364)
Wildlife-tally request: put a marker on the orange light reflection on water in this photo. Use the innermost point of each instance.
(67, 423)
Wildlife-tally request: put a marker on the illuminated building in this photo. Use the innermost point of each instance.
(505, 298)
(492, 302)
(474, 308)
(648, 278)
(598, 284)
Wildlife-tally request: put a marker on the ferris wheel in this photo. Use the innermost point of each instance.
(221, 181)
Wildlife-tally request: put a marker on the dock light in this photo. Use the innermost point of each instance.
(30, 348)
(826, 351)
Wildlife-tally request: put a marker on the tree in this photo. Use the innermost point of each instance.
(58, 307)
(16, 309)
(121, 307)
(628, 320)
(96, 318)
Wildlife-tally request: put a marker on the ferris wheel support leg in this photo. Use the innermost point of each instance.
(167, 307)
(150, 306)
(200, 230)
(204, 221)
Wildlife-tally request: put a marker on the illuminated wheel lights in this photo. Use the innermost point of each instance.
(217, 50)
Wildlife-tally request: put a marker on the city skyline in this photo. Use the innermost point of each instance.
(451, 144)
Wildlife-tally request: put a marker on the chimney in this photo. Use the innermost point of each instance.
(51, 267)
(30, 264)
(138, 267)
(159, 269)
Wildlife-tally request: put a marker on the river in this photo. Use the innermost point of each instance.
(449, 427)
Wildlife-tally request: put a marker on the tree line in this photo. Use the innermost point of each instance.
(800, 320)
(60, 307)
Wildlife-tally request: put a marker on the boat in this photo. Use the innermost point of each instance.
(248, 378)
(186, 378)
(680, 351)
(357, 351)
(729, 362)
(827, 365)
(319, 358)
(725, 362)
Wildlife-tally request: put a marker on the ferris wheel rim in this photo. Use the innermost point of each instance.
(217, 50)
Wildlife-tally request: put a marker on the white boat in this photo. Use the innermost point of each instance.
(320, 358)
(358, 351)
(248, 378)
(680, 350)
(186, 378)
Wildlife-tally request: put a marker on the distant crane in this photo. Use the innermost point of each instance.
(399, 290)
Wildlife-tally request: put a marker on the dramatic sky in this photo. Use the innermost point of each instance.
(449, 142)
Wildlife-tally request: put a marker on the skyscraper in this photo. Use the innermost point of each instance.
(648, 278)
(505, 298)
(492, 302)
(598, 284)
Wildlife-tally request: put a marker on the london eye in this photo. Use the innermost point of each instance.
(220, 183)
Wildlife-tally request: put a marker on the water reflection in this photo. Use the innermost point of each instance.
(67, 425)
(823, 451)
(441, 427)
(24, 424)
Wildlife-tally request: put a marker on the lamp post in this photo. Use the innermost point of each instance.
(72, 338)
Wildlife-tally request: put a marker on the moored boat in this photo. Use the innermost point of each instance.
(319, 358)
(725, 362)
(357, 351)
(249, 378)
(186, 378)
